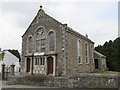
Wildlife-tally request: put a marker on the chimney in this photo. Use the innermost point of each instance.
(86, 36)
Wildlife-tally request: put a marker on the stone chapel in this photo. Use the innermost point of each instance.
(52, 48)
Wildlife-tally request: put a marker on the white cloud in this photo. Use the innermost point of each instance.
(59, 0)
(81, 16)
(89, 18)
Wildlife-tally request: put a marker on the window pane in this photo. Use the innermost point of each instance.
(38, 35)
(42, 35)
(40, 61)
(79, 59)
(35, 61)
(30, 44)
(42, 42)
(51, 41)
(43, 61)
(38, 46)
(42, 49)
(78, 47)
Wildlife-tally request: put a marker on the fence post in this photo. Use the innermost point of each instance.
(12, 69)
(3, 71)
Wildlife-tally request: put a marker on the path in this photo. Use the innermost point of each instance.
(3, 84)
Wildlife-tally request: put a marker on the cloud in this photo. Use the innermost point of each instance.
(98, 20)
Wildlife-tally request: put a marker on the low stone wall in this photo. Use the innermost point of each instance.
(93, 81)
(79, 81)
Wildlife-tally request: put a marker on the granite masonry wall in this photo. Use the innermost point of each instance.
(79, 81)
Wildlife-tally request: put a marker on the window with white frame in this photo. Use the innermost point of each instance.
(30, 44)
(86, 53)
(51, 41)
(79, 53)
(40, 40)
(39, 61)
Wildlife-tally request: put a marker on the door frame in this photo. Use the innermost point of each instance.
(50, 64)
(28, 60)
(54, 65)
(96, 63)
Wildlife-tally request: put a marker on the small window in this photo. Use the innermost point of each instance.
(41, 61)
(92, 54)
(86, 53)
(79, 51)
(37, 61)
(79, 59)
(30, 44)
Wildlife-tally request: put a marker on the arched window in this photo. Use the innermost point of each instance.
(30, 44)
(40, 40)
(79, 53)
(51, 41)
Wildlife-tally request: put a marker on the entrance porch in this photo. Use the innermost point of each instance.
(45, 65)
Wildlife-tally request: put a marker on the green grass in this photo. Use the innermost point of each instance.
(107, 72)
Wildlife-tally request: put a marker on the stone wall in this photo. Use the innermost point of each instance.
(79, 81)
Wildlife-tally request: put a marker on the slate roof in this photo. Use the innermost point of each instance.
(99, 54)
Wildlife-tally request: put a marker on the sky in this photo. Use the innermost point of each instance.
(96, 18)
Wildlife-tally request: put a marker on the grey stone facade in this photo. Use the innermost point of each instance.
(67, 57)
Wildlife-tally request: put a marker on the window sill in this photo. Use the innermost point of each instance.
(79, 63)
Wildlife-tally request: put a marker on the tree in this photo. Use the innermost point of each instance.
(111, 50)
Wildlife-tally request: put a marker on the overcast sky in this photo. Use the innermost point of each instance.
(97, 19)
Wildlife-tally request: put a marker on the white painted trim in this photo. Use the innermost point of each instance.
(25, 68)
(45, 65)
(54, 64)
(30, 64)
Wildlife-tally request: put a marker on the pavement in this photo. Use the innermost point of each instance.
(3, 84)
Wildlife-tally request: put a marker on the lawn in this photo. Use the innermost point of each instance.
(107, 72)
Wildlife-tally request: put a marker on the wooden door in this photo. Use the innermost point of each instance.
(28, 65)
(50, 65)
(96, 64)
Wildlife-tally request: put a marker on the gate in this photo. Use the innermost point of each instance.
(7, 71)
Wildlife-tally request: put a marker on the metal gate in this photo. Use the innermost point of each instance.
(6, 73)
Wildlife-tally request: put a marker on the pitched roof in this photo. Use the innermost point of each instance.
(101, 55)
